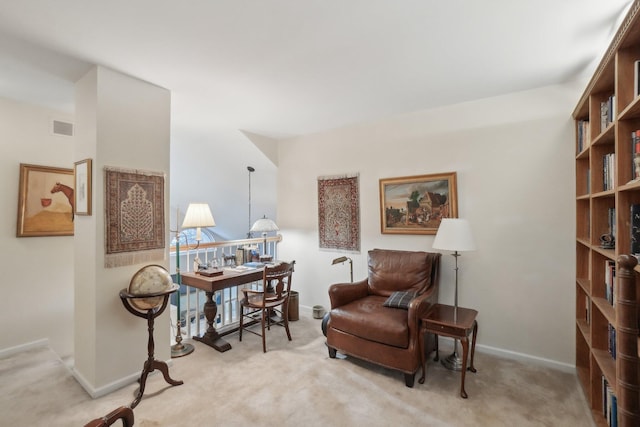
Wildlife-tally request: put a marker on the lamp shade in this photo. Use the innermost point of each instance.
(454, 234)
(264, 224)
(198, 215)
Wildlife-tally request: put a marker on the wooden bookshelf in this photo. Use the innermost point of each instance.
(606, 188)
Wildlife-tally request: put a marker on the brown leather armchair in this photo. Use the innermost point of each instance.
(360, 325)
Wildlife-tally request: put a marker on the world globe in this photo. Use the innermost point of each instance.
(151, 279)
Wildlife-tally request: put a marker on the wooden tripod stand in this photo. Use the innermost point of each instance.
(151, 364)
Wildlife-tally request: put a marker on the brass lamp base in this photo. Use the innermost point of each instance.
(179, 349)
(453, 362)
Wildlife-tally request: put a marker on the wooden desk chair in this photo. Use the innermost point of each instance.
(123, 413)
(272, 299)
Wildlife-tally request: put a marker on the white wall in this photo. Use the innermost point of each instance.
(37, 282)
(514, 160)
(121, 122)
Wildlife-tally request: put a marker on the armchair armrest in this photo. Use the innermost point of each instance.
(343, 293)
(418, 307)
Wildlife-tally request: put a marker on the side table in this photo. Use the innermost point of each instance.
(440, 321)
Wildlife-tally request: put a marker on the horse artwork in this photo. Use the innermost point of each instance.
(46, 201)
(68, 192)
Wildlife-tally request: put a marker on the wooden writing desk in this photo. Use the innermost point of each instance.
(210, 285)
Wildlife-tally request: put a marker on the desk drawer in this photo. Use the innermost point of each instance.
(446, 330)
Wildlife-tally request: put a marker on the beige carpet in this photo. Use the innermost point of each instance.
(295, 384)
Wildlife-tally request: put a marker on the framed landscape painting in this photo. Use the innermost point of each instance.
(417, 204)
(45, 201)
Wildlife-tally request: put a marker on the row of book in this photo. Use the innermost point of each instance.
(610, 288)
(609, 404)
(584, 135)
(608, 171)
(607, 112)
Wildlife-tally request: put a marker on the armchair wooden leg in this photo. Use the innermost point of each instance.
(409, 379)
(332, 352)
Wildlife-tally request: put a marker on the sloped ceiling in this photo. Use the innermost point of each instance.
(280, 68)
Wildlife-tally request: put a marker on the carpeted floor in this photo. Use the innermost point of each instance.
(295, 384)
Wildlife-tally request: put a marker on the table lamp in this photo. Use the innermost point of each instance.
(264, 225)
(454, 234)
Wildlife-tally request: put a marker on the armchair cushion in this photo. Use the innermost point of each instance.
(362, 318)
(400, 299)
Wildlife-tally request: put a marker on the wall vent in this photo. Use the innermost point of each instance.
(62, 128)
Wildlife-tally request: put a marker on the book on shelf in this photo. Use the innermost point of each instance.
(635, 155)
(609, 403)
(608, 171)
(635, 231)
(611, 343)
(636, 78)
(607, 112)
(610, 280)
(587, 309)
(604, 114)
(584, 135)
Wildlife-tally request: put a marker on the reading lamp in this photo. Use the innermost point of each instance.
(264, 225)
(198, 215)
(343, 259)
(454, 234)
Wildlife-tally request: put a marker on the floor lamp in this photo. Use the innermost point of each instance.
(198, 215)
(179, 349)
(454, 234)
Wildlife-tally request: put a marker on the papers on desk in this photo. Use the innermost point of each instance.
(241, 268)
(246, 266)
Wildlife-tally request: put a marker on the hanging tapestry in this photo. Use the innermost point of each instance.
(134, 203)
(339, 212)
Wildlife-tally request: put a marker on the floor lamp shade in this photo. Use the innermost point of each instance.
(198, 215)
(454, 234)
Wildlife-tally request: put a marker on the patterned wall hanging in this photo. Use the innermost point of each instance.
(135, 229)
(339, 212)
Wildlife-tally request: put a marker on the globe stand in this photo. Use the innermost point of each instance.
(151, 364)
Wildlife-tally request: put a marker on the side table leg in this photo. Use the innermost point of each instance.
(437, 343)
(211, 337)
(473, 345)
(465, 353)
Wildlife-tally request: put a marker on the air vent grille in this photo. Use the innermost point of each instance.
(62, 128)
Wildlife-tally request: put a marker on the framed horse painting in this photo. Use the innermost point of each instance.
(46, 201)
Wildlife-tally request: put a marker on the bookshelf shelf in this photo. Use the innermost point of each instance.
(607, 124)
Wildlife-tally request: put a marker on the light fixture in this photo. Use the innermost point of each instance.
(198, 215)
(264, 225)
(454, 234)
(343, 259)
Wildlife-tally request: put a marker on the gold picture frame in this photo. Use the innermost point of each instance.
(82, 177)
(45, 202)
(417, 204)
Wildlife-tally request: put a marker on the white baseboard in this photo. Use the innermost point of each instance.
(24, 347)
(113, 386)
(514, 355)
